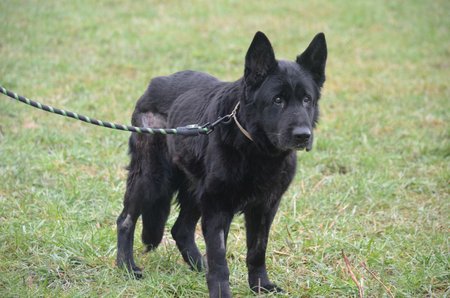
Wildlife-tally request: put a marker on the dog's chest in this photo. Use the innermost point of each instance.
(241, 179)
(249, 181)
(261, 179)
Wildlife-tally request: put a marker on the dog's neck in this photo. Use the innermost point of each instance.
(251, 141)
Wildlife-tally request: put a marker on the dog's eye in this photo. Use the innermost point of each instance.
(307, 100)
(278, 100)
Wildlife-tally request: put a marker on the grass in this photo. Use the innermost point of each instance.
(376, 186)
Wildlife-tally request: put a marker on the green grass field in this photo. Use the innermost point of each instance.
(376, 186)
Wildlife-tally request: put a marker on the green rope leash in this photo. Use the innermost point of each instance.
(189, 130)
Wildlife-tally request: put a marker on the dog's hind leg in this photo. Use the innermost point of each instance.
(184, 230)
(126, 223)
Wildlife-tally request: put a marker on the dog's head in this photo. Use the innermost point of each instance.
(281, 97)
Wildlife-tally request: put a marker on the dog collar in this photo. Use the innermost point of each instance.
(241, 128)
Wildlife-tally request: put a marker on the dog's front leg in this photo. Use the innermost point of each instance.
(215, 226)
(258, 221)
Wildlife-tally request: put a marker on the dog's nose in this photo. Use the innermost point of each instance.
(301, 134)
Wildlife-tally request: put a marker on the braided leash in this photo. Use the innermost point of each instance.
(188, 130)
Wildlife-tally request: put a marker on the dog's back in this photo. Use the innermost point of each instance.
(153, 107)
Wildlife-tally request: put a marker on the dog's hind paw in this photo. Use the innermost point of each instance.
(198, 264)
(137, 272)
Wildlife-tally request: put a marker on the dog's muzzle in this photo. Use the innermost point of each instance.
(302, 138)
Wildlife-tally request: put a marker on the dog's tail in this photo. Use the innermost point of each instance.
(151, 180)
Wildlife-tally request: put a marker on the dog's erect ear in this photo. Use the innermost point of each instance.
(259, 61)
(314, 58)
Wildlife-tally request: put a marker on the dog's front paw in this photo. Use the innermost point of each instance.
(219, 289)
(133, 270)
(267, 288)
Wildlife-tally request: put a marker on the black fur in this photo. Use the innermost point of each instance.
(224, 173)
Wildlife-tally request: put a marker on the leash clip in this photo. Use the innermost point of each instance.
(192, 130)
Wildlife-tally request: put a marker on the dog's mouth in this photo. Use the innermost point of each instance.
(307, 146)
(288, 145)
(300, 147)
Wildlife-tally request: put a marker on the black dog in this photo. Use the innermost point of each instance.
(243, 166)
